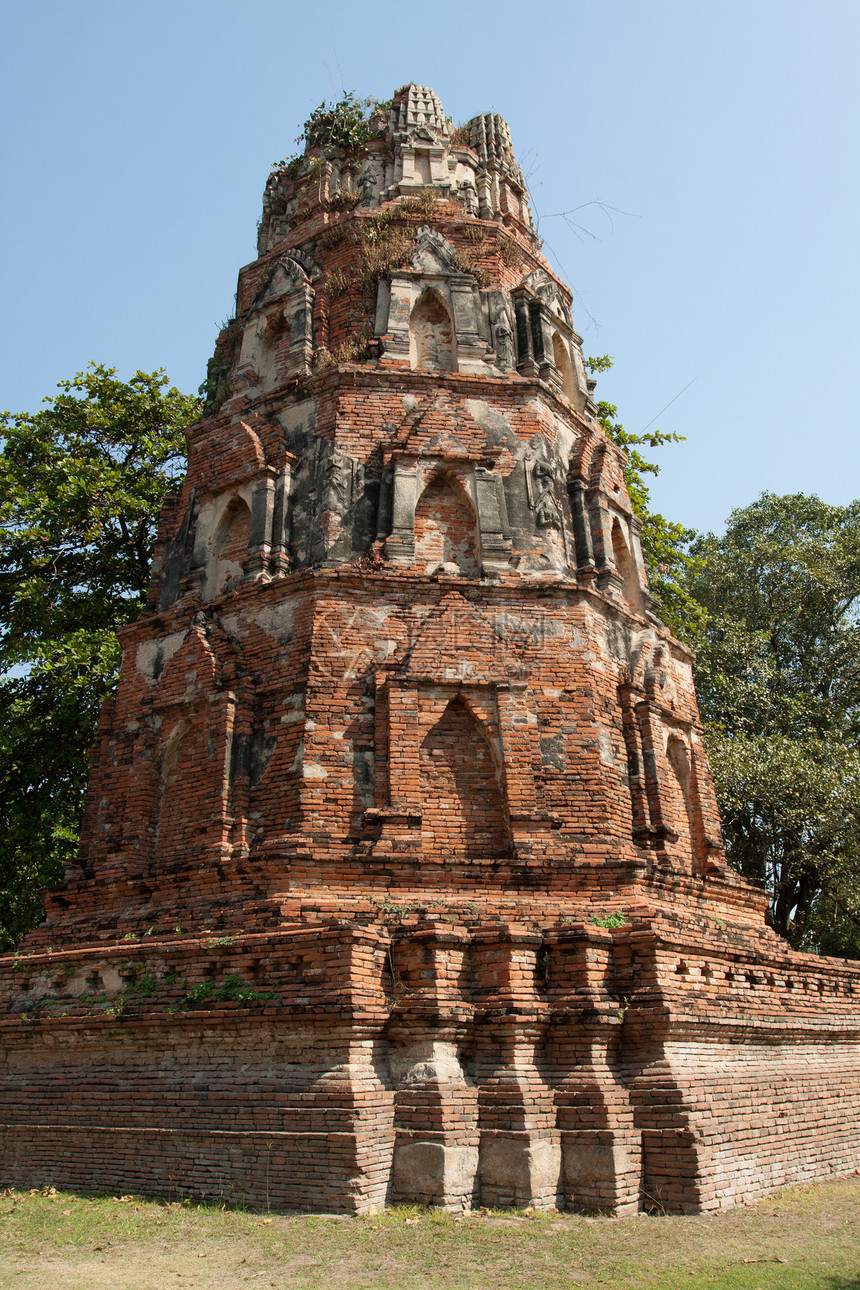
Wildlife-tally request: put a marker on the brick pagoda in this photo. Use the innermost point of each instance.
(401, 876)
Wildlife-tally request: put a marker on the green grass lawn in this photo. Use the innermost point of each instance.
(798, 1239)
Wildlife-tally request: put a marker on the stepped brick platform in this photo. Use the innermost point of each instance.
(401, 876)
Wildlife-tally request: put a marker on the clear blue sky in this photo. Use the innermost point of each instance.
(138, 136)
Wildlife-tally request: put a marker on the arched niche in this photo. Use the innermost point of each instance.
(184, 786)
(625, 566)
(678, 757)
(463, 803)
(446, 528)
(229, 548)
(431, 335)
(277, 341)
(561, 358)
(276, 328)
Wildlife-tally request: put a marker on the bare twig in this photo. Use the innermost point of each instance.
(671, 401)
(580, 229)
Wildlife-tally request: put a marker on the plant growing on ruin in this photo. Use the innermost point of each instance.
(615, 919)
(385, 242)
(346, 200)
(232, 988)
(216, 386)
(354, 349)
(423, 203)
(467, 263)
(346, 126)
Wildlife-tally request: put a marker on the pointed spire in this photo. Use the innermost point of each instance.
(414, 107)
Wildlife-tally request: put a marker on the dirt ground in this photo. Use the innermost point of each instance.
(797, 1239)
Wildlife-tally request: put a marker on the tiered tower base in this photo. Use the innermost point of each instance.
(343, 1066)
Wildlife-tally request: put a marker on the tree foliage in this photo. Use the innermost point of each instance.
(81, 486)
(778, 682)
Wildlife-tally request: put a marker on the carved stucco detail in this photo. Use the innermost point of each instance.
(277, 341)
(434, 270)
(482, 487)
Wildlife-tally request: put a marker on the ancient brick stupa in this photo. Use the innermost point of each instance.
(401, 876)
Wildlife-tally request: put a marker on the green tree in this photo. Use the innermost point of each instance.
(665, 544)
(778, 682)
(81, 486)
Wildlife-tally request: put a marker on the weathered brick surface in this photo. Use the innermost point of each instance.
(400, 722)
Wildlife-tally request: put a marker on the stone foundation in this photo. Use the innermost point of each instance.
(338, 1092)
